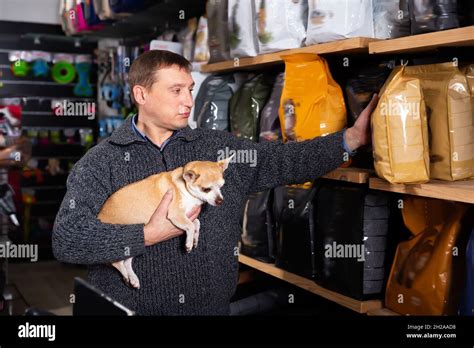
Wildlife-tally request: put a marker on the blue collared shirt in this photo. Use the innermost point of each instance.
(143, 135)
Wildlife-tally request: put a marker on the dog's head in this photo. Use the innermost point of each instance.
(204, 180)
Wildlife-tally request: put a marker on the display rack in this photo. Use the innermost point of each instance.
(461, 191)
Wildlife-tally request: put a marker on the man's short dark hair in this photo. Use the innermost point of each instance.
(142, 71)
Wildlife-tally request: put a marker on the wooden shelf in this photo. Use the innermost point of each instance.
(460, 191)
(385, 312)
(352, 45)
(355, 175)
(309, 285)
(423, 42)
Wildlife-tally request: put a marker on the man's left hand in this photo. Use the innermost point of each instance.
(359, 134)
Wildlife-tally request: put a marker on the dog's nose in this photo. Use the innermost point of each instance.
(219, 201)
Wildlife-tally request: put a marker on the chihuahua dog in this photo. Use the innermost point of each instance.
(194, 184)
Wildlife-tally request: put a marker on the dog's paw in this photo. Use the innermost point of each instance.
(195, 244)
(189, 247)
(134, 282)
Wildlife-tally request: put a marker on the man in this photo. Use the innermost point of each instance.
(158, 139)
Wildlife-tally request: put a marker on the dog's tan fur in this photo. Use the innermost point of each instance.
(136, 202)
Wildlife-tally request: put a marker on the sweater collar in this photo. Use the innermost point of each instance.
(125, 134)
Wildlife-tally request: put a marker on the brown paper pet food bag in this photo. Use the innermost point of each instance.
(400, 131)
(312, 103)
(469, 72)
(448, 106)
(420, 279)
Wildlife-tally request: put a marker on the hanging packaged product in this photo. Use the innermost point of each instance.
(63, 70)
(212, 102)
(90, 15)
(281, 24)
(201, 50)
(20, 62)
(246, 106)
(67, 16)
(242, 18)
(40, 65)
(391, 18)
(421, 279)
(311, 103)
(218, 36)
(330, 20)
(400, 131)
(83, 87)
(105, 11)
(433, 15)
(448, 106)
(270, 129)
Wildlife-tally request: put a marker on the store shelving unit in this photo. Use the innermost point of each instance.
(347, 46)
(424, 42)
(461, 191)
(354, 175)
(310, 285)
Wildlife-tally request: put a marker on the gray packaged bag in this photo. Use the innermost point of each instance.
(218, 31)
(433, 15)
(391, 18)
(212, 102)
(281, 24)
(242, 23)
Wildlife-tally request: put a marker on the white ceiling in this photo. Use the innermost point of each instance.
(35, 11)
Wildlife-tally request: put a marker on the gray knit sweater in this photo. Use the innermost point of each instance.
(172, 281)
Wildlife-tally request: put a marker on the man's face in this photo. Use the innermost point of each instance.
(168, 102)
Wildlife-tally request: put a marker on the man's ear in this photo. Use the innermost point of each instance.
(190, 176)
(139, 94)
(225, 162)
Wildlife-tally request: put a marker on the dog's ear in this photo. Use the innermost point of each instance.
(190, 176)
(225, 162)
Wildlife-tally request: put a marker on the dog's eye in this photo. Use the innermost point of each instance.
(206, 189)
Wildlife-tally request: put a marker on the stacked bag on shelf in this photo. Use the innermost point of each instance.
(433, 15)
(258, 230)
(467, 299)
(256, 27)
(246, 106)
(352, 229)
(311, 105)
(410, 149)
(263, 26)
(331, 20)
(428, 268)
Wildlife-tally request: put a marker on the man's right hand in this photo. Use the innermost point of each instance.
(159, 228)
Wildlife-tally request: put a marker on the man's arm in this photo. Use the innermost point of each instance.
(298, 162)
(78, 236)
(295, 162)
